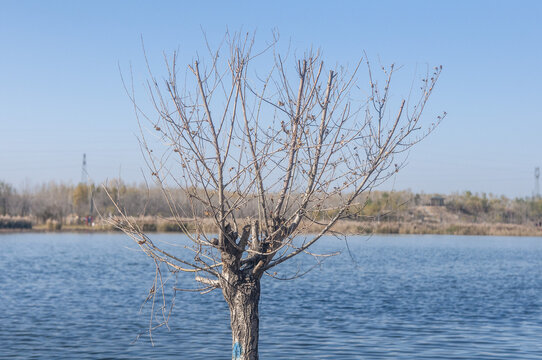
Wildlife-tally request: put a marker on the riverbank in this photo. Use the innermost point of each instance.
(380, 212)
(348, 227)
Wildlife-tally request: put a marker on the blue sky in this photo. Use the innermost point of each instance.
(61, 94)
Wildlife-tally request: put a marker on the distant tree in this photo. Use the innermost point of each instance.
(277, 141)
(80, 199)
(51, 201)
(7, 193)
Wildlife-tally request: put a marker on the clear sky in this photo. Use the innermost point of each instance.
(61, 94)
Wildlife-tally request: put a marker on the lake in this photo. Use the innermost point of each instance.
(80, 296)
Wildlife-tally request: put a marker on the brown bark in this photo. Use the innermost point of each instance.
(243, 297)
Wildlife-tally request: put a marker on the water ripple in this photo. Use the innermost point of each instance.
(76, 296)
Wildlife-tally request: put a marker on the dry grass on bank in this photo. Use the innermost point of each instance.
(350, 227)
(353, 227)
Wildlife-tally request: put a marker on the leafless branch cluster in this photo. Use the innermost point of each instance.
(282, 143)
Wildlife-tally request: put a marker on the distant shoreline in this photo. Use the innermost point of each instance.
(347, 227)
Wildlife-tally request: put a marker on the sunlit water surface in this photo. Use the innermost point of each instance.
(78, 296)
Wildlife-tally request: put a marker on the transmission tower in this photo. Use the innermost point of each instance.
(84, 180)
(84, 174)
(536, 182)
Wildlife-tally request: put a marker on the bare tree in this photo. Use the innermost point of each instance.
(263, 155)
(7, 193)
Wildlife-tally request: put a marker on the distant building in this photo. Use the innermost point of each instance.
(437, 201)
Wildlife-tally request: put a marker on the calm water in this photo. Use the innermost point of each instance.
(74, 296)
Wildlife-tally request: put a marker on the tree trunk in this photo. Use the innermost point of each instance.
(243, 298)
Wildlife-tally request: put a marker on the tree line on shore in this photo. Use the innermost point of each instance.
(69, 204)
